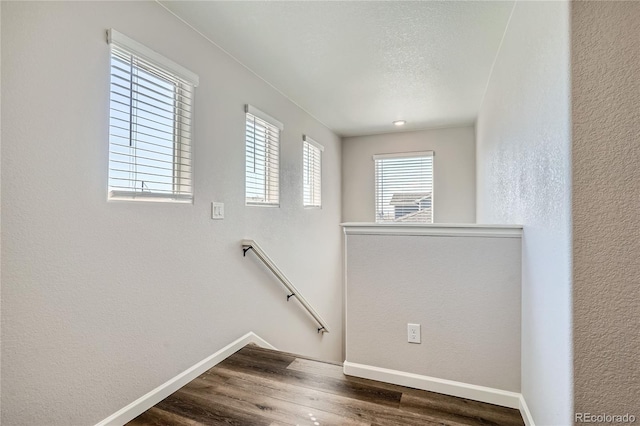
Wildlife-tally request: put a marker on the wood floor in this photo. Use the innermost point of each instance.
(258, 386)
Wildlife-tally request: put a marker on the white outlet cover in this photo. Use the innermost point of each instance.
(413, 333)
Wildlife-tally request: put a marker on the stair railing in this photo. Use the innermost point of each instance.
(293, 291)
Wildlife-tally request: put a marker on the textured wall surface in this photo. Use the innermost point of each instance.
(523, 172)
(454, 172)
(469, 316)
(104, 301)
(606, 206)
(0, 212)
(426, 62)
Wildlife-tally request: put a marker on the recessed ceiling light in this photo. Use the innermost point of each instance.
(399, 123)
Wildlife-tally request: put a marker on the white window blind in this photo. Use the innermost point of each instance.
(404, 187)
(150, 124)
(262, 148)
(311, 172)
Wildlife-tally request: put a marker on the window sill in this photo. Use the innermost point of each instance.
(433, 229)
(276, 205)
(149, 197)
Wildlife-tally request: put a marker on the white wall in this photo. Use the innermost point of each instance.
(523, 176)
(103, 301)
(605, 53)
(453, 163)
(0, 212)
(469, 316)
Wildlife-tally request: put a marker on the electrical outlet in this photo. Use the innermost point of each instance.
(413, 333)
(217, 210)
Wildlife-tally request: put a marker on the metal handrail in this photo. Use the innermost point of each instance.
(252, 245)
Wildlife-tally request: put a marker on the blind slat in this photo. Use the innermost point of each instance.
(156, 167)
(169, 138)
(127, 106)
(147, 182)
(152, 124)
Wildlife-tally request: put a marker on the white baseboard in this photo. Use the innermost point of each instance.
(147, 401)
(526, 414)
(433, 384)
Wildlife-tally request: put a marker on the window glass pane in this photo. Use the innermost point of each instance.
(262, 161)
(149, 130)
(404, 189)
(311, 175)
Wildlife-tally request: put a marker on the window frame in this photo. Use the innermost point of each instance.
(319, 149)
(380, 192)
(181, 84)
(270, 179)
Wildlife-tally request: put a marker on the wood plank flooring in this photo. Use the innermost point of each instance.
(258, 386)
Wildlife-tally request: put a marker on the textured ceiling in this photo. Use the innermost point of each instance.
(358, 66)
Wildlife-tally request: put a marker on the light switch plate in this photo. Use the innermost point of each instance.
(217, 210)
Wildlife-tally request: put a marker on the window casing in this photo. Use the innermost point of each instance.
(404, 187)
(262, 158)
(311, 172)
(150, 125)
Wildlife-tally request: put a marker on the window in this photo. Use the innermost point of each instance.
(311, 172)
(404, 187)
(262, 148)
(150, 128)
